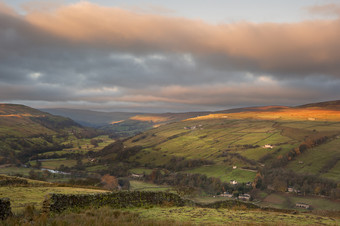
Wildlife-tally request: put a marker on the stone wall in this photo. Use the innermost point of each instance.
(5, 208)
(9, 181)
(122, 199)
(229, 204)
(125, 199)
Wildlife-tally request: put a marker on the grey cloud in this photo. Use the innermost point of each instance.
(38, 66)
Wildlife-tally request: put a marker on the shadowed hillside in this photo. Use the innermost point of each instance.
(325, 105)
(26, 132)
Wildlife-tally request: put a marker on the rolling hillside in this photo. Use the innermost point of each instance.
(302, 140)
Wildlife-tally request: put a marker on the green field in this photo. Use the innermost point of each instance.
(225, 173)
(81, 146)
(16, 170)
(316, 158)
(55, 163)
(209, 139)
(141, 170)
(288, 201)
(144, 186)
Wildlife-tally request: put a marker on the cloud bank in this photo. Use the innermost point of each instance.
(90, 56)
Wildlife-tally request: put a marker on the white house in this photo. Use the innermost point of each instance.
(244, 197)
(267, 146)
(302, 205)
(233, 182)
(226, 194)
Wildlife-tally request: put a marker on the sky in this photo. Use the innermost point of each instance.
(168, 56)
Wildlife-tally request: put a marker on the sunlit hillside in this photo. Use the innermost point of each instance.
(281, 114)
(149, 118)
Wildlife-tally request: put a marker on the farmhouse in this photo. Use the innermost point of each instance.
(267, 146)
(291, 189)
(226, 194)
(134, 175)
(244, 197)
(302, 205)
(192, 127)
(233, 182)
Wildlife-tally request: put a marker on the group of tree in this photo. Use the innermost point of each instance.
(181, 163)
(280, 179)
(197, 182)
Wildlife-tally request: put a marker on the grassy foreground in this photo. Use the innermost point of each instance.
(231, 216)
(167, 216)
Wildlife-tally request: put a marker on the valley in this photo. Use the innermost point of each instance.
(279, 156)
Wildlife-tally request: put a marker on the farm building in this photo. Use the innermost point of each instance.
(291, 189)
(244, 197)
(302, 205)
(226, 194)
(233, 182)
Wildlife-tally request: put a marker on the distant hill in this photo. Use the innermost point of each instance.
(90, 118)
(17, 109)
(131, 123)
(22, 121)
(122, 123)
(335, 104)
(98, 119)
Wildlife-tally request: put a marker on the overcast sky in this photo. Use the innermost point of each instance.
(160, 56)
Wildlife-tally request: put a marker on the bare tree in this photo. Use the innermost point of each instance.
(110, 182)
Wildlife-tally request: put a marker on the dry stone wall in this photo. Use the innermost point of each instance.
(5, 208)
(9, 181)
(229, 204)
(122, 199)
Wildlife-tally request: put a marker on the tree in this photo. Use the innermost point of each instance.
(32, 175)
(94, 142)
(185, 190)
(79, 165)
(280, 184)
(37, 164)
(110, 182)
